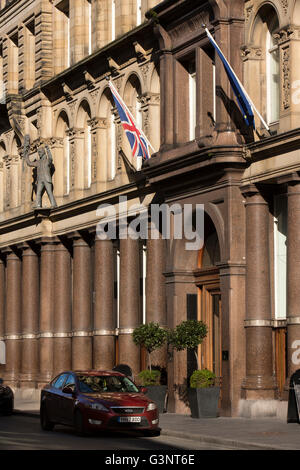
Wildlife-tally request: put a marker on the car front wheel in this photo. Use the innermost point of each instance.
(79, 424)
(46, 424)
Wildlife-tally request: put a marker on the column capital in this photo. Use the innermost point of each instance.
(290, 179)
(80, 238)
(250, 190)
(29, 247)
(11, 252)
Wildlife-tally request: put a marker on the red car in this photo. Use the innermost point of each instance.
(97, 400)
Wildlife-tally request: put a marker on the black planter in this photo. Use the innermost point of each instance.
(204, 402)
(157, 393)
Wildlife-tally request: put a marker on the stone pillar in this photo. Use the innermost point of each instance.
(260, 382)
(104, 319)
(13, 319)
(81, 319)
(62, 343)
(46, 310)
(156, 291)
(293, 276)
(167, 103)
(2, 310)
(30, 312)
(129, 312)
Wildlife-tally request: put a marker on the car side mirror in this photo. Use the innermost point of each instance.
(68, 390)
(143, 389)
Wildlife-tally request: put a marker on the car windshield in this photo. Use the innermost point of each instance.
(101, 384)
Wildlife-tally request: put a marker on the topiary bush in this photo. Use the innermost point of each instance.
(202, 379)
(151, 336)
(188, 335)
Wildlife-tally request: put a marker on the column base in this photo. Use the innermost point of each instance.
(263, 409)
(28, 381)
(259, 387)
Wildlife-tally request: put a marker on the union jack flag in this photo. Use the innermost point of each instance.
(137, 139)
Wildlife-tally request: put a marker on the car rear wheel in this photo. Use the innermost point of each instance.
(46, 424)
(79, 424)
(9, 409)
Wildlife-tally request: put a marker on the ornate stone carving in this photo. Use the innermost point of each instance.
(285, 5)
(145, 71)
(94, 95)
(251, 52)
(248, 12)
(286, 78)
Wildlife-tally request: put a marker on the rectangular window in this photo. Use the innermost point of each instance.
(62, 35)
(67, 162)
(112, 147)
(214, 92)
(13, 63)
(192, 100)
(89, 156)
(90, 25)
(138, 12)
(29, 55)
(280, 253)
(2, 84)
(113, 20)
(272, 80)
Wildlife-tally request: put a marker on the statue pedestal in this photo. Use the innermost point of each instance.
(44, 213)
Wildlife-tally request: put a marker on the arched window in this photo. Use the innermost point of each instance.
(84, 167)
(107, 136)
(262, 67)
(272, 73)
(62, 152)
(2, 180)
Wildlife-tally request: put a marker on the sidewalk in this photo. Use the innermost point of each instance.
(238, 433)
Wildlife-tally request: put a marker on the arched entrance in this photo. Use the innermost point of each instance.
(209, 301)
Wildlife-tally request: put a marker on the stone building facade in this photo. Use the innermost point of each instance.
(71, 300)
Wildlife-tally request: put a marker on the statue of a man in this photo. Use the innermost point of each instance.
(43, 168)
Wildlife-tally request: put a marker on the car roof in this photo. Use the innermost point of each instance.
(96, 372)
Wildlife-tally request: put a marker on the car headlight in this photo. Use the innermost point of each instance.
(151, 407)
(98, 406)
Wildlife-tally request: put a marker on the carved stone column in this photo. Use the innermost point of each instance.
(77, 163)
(62, 343)
(259, 382)
(30, 312)
(81, 319)
(13, 319)
(104, 320)
(129, 353)
(100, 142)
(293, 276)
(47, 295)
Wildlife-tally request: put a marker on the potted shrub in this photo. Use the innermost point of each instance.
(151, 336)
(202, 394)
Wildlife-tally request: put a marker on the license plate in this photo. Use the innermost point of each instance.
(129, 419)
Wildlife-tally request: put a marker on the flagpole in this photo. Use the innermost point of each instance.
(112, 85)
(239, 82)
